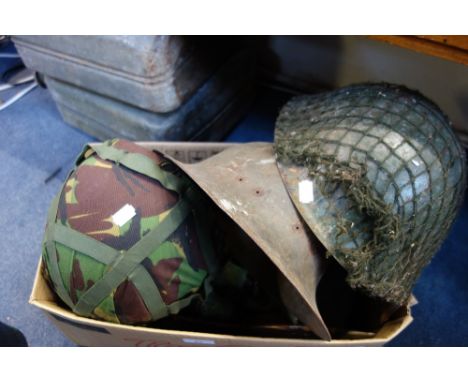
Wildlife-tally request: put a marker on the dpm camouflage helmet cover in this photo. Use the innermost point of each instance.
(124, 239)
(378, 174)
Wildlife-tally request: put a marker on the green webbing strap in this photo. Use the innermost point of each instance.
(101, 252)
(149, 292)
(53, 267)
(177, 306)
(142, 164)
(126, 262)
(84, 244)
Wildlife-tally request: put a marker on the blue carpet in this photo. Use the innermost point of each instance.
(35, 143)
(440, 317)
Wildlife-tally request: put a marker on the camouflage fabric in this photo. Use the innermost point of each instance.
(378, 174)
(93, 193)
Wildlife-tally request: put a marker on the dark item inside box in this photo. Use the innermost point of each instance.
(259, 311)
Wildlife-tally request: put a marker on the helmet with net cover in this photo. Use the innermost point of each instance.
(378, 174)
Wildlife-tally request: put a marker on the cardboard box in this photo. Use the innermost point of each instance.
(89, 332)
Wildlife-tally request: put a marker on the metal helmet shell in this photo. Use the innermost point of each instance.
(244, 182)
(378, 174)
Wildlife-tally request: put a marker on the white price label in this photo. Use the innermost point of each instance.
(123, 215)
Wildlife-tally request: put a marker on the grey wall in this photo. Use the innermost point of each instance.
(303, 62)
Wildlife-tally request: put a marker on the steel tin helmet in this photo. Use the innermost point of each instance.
(244, 182)
(378, 175)
(124, 242)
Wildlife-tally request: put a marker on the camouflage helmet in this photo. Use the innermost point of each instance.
(125, 240)
(378, 174)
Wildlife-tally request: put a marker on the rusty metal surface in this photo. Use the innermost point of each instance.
(245, 183)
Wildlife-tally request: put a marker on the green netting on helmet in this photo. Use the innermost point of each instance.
(125, 241)
(388, 177)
